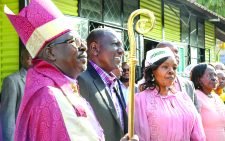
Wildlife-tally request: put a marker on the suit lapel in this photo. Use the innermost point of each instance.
(105, 96)
(99, 84)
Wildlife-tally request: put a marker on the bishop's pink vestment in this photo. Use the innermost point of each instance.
(52, 109)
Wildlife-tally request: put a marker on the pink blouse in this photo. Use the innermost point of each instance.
(166, 118)
(212, 111)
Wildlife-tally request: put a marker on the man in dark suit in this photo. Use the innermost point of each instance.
(97, 83)
(181, 84)
(11, 95)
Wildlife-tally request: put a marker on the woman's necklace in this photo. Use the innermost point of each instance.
(169, 91)
(209, 95)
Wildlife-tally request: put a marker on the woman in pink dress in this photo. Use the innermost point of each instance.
(161, 112)
(211, 107)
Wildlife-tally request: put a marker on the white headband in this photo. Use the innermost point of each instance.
(156, 54)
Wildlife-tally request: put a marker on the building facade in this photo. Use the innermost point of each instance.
(185, 23)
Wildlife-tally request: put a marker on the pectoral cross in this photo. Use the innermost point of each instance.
(74, 88)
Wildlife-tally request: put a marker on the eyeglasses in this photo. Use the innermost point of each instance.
(75, 42)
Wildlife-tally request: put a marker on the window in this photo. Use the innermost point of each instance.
(201, 35)
(185, 30)
(128, 8)
(112, 12)
(193, 34)
(91, 9)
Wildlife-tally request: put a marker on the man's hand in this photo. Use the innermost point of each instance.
(126, 138)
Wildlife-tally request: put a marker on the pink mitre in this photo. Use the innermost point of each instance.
(37, 24)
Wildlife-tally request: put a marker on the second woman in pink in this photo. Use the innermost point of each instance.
(211, 107)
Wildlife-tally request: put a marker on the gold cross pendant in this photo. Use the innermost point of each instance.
(74, 88)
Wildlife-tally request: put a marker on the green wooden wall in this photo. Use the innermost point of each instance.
(172, 23)
(9, 41)
(210, 42)
(68, 7)
(156, 8)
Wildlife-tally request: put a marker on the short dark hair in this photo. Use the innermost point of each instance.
(124, 63)
(164, 44)
(148, 74)
(197, 73)
(96, 34)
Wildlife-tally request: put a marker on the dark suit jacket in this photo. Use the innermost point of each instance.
(93, 89)
(11, 95)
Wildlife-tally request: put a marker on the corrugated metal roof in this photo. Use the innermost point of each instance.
(200, 8)
(205, 9)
